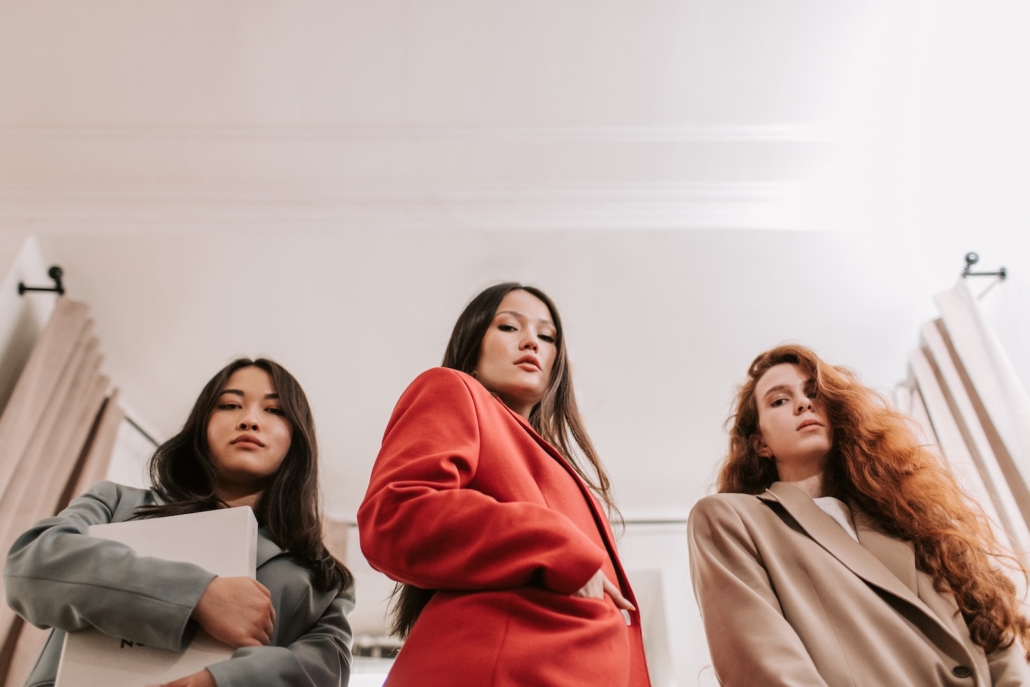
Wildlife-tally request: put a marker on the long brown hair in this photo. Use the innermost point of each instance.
(555, 418)
(878, 465)
(182, 473)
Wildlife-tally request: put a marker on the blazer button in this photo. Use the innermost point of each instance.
(962, 671)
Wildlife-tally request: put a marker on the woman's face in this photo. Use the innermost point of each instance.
(248, 435)
(518, 351)
(793, 429)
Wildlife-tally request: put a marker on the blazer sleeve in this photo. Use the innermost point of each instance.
(423, 523)
(1009, 667)
(58, 576)
(319, 657)
(750, 641)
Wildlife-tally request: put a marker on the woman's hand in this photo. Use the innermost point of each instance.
(598, 585)
(201, 679)
(236, 611)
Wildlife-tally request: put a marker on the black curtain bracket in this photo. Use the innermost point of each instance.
(55, 273)
(971, 259)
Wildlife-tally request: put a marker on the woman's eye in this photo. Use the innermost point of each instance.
(506, 327)
(228, 406)
(778, 402)
(547, 337)
(275, 410)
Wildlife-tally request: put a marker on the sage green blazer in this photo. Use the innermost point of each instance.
(58, 577)
(789, 598)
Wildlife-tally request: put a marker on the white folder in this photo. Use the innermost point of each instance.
(222, 541)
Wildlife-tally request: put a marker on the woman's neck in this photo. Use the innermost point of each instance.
(807, 476)
(811, 485)
(233, 498)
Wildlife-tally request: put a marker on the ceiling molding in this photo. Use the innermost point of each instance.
(802, 133)
(768, 205)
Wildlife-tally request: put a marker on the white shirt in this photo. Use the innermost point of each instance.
(839, 511)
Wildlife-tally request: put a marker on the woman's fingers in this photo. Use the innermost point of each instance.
(599, 585)
(594, 588)
(236, 611)
(200, 679)
(617, 597)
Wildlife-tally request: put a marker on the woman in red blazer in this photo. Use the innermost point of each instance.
(477, 506)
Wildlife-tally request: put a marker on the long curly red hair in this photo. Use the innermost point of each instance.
(878, 465)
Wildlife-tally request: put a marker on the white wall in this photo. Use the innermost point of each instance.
(22, 317)
(932, 157)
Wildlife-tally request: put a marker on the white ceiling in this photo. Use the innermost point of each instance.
(609, 114)
(329, 182)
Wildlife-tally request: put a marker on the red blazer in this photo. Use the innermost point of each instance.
(467, 499)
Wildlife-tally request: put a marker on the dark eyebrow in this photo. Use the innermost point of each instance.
(521, 316)
(237, 392)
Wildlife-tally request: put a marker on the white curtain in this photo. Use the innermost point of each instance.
(967, 398)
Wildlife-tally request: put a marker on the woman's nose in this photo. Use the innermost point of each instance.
(803, 405)
(248, 423)
(529, 342)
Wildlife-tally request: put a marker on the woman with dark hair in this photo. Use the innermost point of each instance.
(841, 551)
(479, 507)
(249, 441)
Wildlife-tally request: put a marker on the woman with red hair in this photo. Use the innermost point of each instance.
(841, 551)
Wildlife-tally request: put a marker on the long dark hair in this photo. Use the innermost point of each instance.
(182, 474)
(879, 465)
(555, 418)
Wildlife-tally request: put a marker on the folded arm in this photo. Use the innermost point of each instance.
(424, 524)
(319, 657)
(58, 576)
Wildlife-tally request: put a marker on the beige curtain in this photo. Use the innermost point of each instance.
(56, 436)
(967, 398)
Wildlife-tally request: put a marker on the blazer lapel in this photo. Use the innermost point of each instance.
(828, 534)
(875, 565)
(600, 520)
(897, 556)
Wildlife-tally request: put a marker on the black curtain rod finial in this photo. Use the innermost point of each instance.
(971, 259)
(55, 273)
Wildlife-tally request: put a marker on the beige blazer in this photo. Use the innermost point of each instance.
(789, 598)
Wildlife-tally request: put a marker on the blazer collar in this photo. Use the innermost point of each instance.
(884, 565)
(547, 448)
(266, 548)
(881, 561)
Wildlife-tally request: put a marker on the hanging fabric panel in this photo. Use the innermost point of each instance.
(995, 499)
(55, 432)
(1001, 402)
(93, 466)
(36, 385)
(967, 397)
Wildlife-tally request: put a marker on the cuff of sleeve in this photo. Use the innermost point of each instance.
(569, 575)
(257, 667)
(186, 628)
